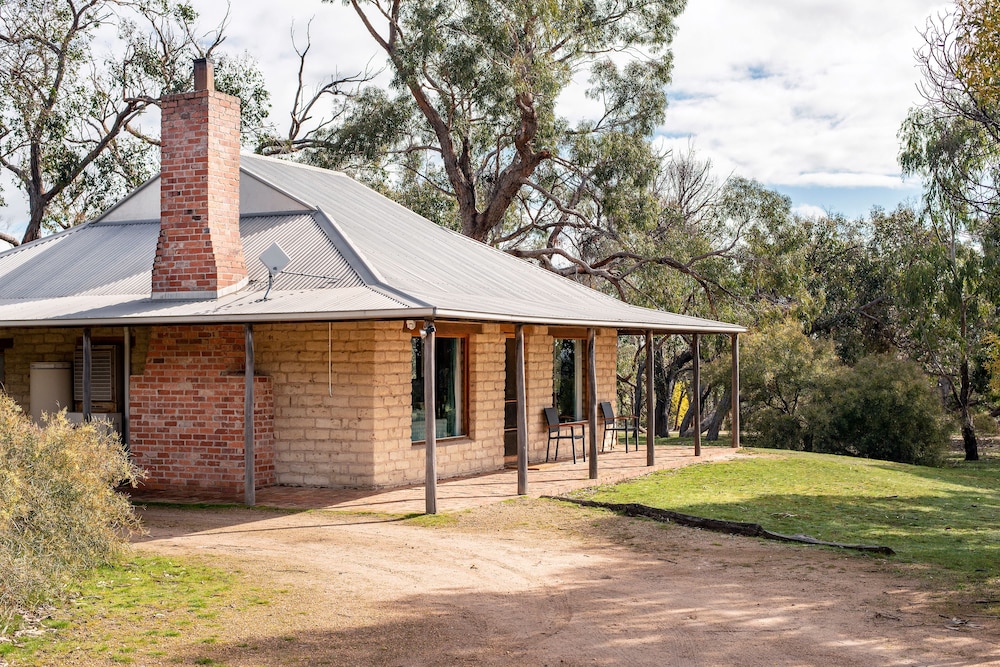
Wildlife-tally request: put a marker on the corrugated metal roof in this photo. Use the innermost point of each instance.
(117, 258)
(450, 271)
(364, 256)
(247, 306)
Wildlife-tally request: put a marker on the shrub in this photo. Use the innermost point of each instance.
(775, 429)
(883, 408)
(985, 424)
(59, 511)
(782, 368)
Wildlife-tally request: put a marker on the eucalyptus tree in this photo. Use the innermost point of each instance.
(950, 252)
(522, 122)
(960, 63)
(944, 298)
(71, 131)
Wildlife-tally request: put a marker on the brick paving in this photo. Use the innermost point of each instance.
(468, 492)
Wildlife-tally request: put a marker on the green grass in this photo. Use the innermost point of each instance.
(944, 518)
(127, 613)
(674, 440)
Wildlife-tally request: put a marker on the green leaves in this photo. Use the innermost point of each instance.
(71, 130)
(59, 513)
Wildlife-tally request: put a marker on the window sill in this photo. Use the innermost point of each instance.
(453, 440)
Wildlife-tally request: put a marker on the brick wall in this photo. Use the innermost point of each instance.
(332, 401)
(199, 252)
(188, 407)
(341, 401)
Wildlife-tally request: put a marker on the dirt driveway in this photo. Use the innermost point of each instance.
(535, 582)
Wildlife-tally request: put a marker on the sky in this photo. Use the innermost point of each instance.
(804, 96)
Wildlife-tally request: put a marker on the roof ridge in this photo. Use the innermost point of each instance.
(293, 163)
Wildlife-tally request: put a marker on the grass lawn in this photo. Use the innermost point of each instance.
(138, 611)
(941, 518)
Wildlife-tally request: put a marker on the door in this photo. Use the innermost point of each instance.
(510, 405)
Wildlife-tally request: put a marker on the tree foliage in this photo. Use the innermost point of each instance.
(781, 372)
(71, 132)
(948, 278)
(882, 408)
(59, 512)
(955, 136)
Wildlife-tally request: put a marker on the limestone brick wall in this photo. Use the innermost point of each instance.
(538, 345)
(482, 449)
(31, 345)
(341, 401)
(606, 350)
(606, 355)
(187, 412)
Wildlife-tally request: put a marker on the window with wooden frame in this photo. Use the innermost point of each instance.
(450, 384)
(569, 385)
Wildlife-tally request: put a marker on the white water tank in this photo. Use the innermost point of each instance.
(51, 387)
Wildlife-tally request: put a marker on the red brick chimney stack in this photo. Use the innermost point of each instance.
(199, 254)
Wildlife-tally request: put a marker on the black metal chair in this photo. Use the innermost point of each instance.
(557, 432)
(615, 425)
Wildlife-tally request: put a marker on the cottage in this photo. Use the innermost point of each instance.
(246, 321)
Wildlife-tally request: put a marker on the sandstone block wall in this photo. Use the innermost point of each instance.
(333, 400)
(341, 400)
(49, 344)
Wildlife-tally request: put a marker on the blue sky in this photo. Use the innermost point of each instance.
(805, 96)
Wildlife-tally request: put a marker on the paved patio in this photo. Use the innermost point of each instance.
(467, 492)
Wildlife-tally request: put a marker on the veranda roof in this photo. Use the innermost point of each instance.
(355, 255)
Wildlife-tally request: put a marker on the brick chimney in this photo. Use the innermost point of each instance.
(199, 254)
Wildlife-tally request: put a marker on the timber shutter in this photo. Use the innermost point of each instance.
(103, 374)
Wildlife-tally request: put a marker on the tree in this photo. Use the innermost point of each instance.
(949, 285)
(942, 298)
(70, 123)
(471, 128)
(960, 62)
(882, 408)
(782, 371)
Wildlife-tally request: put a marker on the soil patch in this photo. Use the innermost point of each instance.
(536, 582)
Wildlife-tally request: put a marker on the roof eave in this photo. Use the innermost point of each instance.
(380, 314)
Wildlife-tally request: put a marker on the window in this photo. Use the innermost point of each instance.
(567, 379)
(450, 400)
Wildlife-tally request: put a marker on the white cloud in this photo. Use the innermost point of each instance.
(798, 93)
(809, 211)
(788, 92)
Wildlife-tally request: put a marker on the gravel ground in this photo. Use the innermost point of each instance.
(534, 582)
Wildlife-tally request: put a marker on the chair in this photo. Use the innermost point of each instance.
(557, 432)
(616, 425)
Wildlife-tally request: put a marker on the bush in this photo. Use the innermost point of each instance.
(777, 430)
(59, 512)
(781, 371)
(985, 424)
(883, 408)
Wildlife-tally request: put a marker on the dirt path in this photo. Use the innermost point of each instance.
(540, 583)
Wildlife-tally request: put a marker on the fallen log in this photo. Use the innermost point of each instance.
(718, 525)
